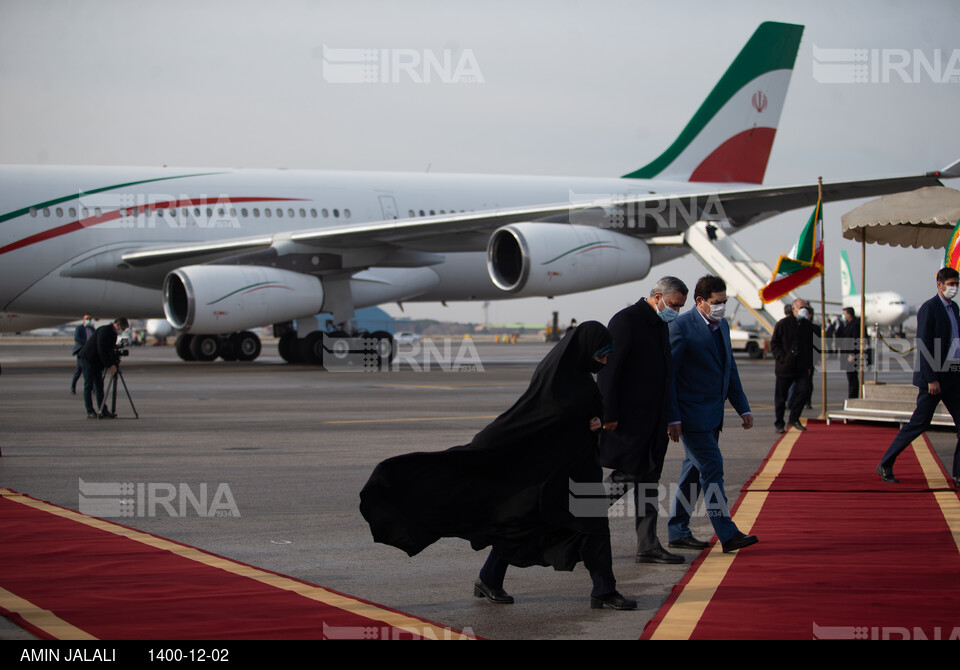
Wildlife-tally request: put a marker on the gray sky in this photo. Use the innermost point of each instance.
(569, 88)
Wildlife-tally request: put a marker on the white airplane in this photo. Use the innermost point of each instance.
(221, 251)
(884, 309)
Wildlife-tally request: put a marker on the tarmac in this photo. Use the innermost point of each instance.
(282, 452)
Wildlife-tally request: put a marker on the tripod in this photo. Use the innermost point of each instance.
(111, 391)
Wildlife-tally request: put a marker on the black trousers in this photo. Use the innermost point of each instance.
(92, 382)
(801, 388)
(922, 415)
(597, 559)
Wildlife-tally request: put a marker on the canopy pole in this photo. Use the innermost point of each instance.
(863, 303)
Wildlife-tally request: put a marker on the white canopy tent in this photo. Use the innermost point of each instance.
(920, 219)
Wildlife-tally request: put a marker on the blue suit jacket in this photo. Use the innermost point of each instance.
(702, 381)
(79, 338)
(934, 335)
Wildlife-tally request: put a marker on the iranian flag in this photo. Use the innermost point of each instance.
(802, 264)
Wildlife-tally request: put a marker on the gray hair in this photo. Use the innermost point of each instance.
(669, 286)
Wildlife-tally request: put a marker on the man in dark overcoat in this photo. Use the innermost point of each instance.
(636, 388)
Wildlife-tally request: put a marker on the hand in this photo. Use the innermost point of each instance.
(747, 421)
(112, 369)
(674, 431)
(610, 425)
(596, 423)
(933, 388)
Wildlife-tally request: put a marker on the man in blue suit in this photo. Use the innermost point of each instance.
(80, 336)
(936, 373)
(705, 377)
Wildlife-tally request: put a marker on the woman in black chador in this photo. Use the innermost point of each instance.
(509, 489)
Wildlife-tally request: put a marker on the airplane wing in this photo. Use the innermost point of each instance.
(640, 216)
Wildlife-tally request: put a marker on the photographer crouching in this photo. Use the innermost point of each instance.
(99, 354)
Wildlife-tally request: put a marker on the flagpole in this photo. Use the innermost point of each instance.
(823, 313)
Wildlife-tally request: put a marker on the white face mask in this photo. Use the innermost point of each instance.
(949, 292)
(803, 313)
(717, 312)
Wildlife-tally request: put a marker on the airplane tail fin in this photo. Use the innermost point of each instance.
(847, 287)
(730, 137)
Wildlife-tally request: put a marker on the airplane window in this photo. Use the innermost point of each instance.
(313, 213)
(432, 212)
(196, 212)
(290, 212)
(220, 211)
(86, 212)
(73, 212)
(233, 212)
(336, 213)
(256, 212)
(411, 214)
(266, 212)
(59, 211)
(303, 214)
(243, 211)
(279, 213)
(442, 212)
(325, 213)
(346, 213)
(209, 212)
(33, 211)
(421, 213)
(97, 211)
(160, 213)
(46, 211)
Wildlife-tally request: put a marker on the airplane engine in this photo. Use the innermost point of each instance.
(211, 299)
(546, 259)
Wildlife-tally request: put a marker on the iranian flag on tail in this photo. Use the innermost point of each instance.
(951, 258)
(803, 263)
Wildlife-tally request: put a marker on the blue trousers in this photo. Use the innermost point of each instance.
(920, 421)
(701, 471)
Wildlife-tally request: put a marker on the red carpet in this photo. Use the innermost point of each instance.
(64, 575)
(841, 554)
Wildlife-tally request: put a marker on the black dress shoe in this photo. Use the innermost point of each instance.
(780, 429)
(498, 596)
(739, 541)
(614, 600)
(107, 414)
(799, 426)
(658, 555)
(689, 542)
(886, 475)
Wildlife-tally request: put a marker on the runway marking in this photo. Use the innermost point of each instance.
(40, 618)
(368, 610)
(947, 500)
(687, 610)
(424, 418)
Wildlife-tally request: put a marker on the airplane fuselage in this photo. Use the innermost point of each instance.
(75, 222)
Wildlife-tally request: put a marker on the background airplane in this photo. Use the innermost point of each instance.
(235, 249)
(886, 309)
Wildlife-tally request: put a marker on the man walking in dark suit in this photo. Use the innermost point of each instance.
(81, 334)
(849, 335)
(792, 347)
(97, 355)
(705, 377)
(636, 386)
(936, 371)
